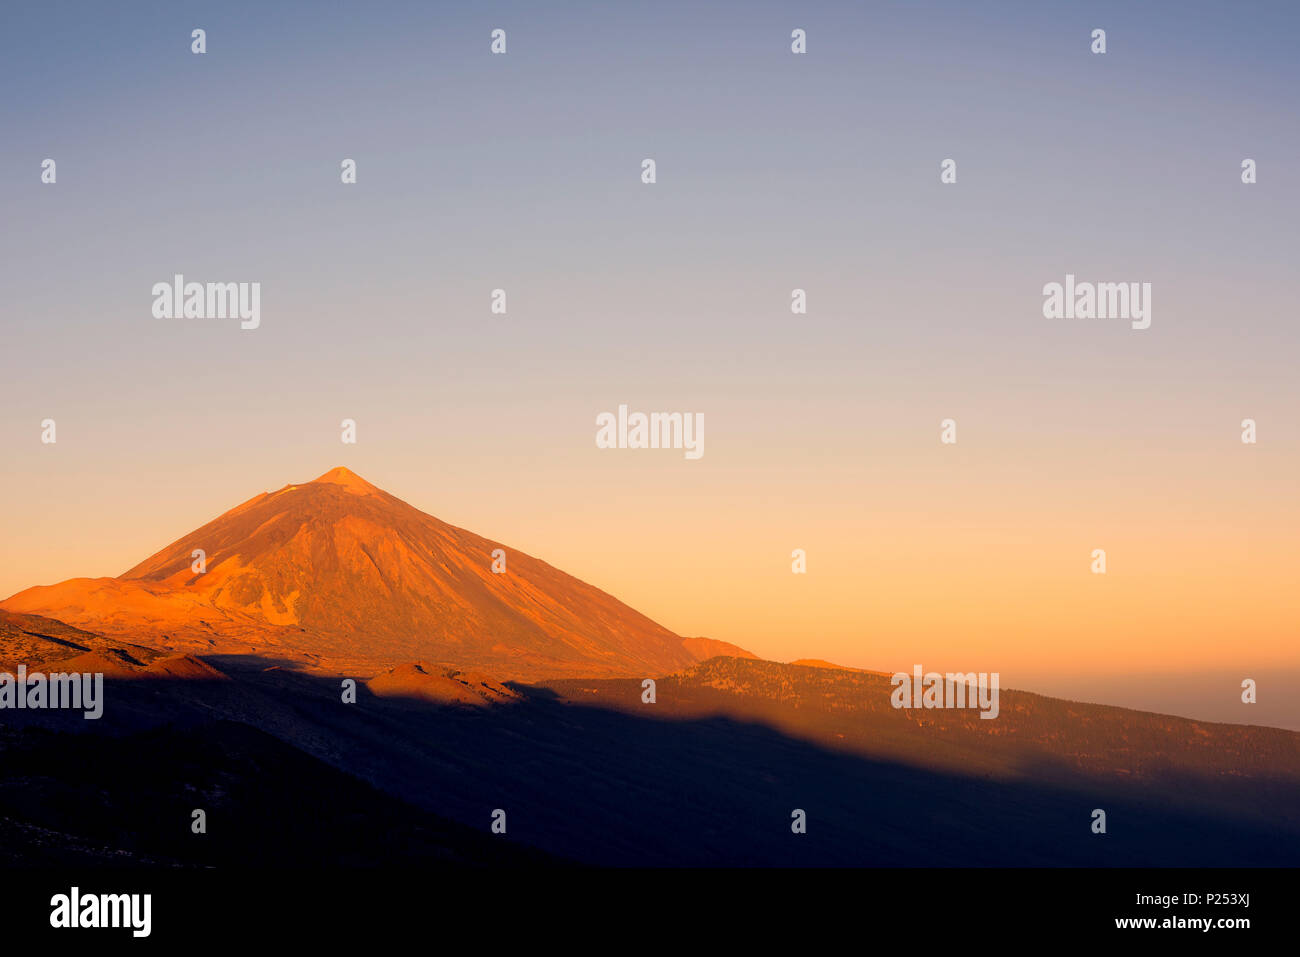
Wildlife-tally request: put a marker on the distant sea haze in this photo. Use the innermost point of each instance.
(1203, 695)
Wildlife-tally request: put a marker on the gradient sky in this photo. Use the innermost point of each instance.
(775, 171)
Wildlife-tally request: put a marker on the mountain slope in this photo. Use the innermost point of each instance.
(702, 649)
(706, 775)
(36, 642)
(338, 571)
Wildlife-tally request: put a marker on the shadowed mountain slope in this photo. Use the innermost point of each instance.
(707, 775)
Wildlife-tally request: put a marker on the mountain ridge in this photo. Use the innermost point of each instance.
(337, 572)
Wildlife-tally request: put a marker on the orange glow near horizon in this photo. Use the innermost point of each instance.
(984, 574)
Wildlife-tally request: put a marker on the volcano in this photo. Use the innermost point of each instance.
(338, 574)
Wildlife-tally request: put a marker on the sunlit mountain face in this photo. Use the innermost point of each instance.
(338, 573)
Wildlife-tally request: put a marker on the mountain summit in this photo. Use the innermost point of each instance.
(338, 573)
(339, 475)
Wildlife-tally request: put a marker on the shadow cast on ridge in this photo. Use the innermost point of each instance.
(589, 783)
